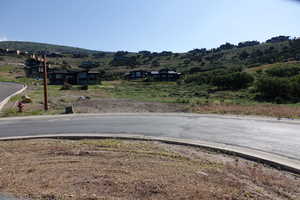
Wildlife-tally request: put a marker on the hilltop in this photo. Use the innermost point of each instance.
(34, 47)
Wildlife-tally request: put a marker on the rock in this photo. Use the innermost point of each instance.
(202, 173)
(69, 110)
(81, 98)
(26, 99)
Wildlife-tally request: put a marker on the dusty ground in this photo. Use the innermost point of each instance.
(91, 101)
(99, 99)
(114, 169)
(125, 105)
(279, 111)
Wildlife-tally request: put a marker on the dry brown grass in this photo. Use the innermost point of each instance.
(258, 109)
(114, 169)
(268, 66)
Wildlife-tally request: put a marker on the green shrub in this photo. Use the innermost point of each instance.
(235, 81)
(283, 71)
(84, 87)
(280, 90)
(66, 86)
(182, 100)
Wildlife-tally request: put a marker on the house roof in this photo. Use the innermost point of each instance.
(70, 71)
(164, 72)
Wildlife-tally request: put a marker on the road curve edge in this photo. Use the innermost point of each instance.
(5, 101)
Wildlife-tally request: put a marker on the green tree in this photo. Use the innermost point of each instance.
(272, 88)
(235, 81)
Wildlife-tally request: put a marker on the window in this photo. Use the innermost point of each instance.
(83, 75)
(92, 76)
(59, 76)
(138, 74)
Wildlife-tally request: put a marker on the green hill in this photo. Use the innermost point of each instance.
(40, 47)
(244, 55)
(268, 71)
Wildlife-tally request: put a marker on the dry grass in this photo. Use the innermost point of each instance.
(114, 169)
(279, 111)
(268, 66)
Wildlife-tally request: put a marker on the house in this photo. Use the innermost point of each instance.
(2, 51)
(54, 55)
(8, 51)
(138, 74)
(35, 70)
(162, 75)
(73, 76)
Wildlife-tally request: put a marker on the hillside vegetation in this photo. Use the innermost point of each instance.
(247, 73)
(245, 55)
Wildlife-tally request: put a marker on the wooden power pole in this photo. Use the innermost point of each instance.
(45, 73)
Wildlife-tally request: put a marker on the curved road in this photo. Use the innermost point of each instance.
(7, 89)
(268, 135)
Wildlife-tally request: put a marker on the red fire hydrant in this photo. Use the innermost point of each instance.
(21, 106)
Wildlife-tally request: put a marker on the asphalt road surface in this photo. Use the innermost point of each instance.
(268, 135)
(7, 89)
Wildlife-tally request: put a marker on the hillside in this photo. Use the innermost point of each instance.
(247, 78)
(246, 55)
(41, 47)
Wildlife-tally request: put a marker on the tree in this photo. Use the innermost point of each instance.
(124, 61)
(99, 55)
(248, 44)
(88, 65)
(31, 62)
(272, 88)
(235, 81)
(244, 55)
(284, 71)
(280, 38)
(121, 53)
(155, 63)
(227, 46)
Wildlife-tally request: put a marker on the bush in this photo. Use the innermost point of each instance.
(66, 86)
(182, 100)
(203, 77)
(272, 88)
(199, 78)
(235, 81)
(84, 87)
(284, 71)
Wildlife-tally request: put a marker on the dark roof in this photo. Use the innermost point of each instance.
(70, 71)
(162, 72)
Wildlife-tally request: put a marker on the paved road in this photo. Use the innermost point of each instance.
(6, 89)
(273, 136)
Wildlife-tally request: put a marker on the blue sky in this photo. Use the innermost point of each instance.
(156, 25)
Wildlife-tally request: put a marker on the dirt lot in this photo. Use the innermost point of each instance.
(279, 111)
(126, 105)
(115, 169)
(94, 100)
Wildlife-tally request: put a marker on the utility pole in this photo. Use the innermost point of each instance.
(45, 73)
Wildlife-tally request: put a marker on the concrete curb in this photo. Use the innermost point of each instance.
(279, 162)
(2, 104)
(254, 118)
